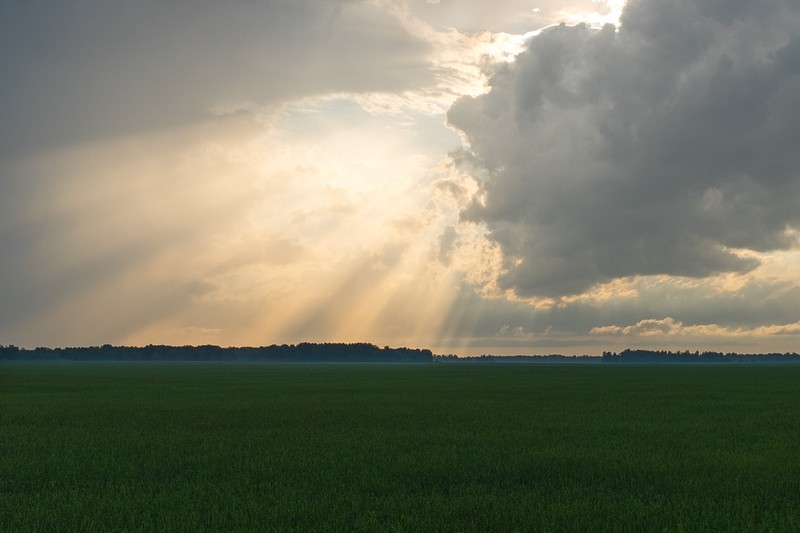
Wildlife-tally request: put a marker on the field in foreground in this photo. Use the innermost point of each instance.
(216, 447)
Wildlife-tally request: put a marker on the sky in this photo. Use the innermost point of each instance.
(507, 177)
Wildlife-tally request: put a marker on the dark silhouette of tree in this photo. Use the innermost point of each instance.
(649, 356)
(303, 352)
(363, 353)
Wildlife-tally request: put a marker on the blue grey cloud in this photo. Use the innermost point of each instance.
(78, 71)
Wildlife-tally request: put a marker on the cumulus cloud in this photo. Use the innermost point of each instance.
(666, 326)
(664, 146)
(669, 326)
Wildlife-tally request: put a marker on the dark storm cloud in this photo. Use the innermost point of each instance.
(77, 71)
(654, 149)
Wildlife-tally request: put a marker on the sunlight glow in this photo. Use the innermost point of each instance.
(305, 185)
(607, 12)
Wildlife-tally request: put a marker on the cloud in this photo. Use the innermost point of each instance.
(664, 147)
(666, 326)
(513, 16)
(670, 327)
(447, 241)
(731, 309)
(81, 71)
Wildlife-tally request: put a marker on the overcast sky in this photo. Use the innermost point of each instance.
(505, 177)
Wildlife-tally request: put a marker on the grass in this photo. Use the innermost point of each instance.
(254, 447)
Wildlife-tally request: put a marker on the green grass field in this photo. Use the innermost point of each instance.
(436, 447)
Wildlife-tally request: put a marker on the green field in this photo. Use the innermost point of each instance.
(436, 447)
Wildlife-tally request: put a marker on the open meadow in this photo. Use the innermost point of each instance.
(445, 447)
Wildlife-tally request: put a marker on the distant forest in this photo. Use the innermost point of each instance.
(633, 356)
(648, 356)
(299, 353)
(363, 353)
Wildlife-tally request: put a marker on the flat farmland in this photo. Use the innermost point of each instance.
(385, 447)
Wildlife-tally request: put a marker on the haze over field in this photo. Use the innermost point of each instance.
(472, 177)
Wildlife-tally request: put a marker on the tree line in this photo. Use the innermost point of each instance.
(306, 352)
(303, 352)
(665, 356)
